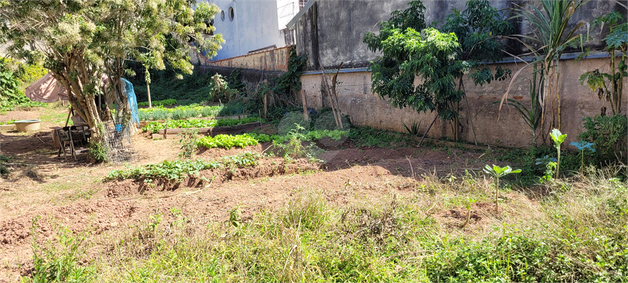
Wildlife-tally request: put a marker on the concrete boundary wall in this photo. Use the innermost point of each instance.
(269, 60)
(503, 128)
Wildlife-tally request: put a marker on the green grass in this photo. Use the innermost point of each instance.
(577, 233)
(154, 127)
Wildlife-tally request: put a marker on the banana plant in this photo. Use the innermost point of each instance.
(558, 139)
(499, 172)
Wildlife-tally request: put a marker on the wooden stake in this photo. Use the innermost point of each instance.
(303, 101)
(265, 104)
(428, 129)
(329, 94)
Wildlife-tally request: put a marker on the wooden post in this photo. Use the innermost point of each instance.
(265, 104)
(329, 95)
(305, 116)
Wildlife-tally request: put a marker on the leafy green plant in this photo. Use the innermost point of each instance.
(532, 115)
(10, 93)
(414, 129)
(608, 134)
(552, 34)
(219, 89)
(558, 139)
(175, 171)
(98, 151)
(154, 127)
(3, 168)
(581, 146)
(439, 58)
(61, 264)
(165, 102)
(227, 141)
(497, 173)
(188, 140)
(610, 86)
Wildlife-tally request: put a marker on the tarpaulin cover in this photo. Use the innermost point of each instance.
(130, 94)
(47, 90)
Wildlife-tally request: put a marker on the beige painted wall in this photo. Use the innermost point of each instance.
(269, 60)
(504, 128)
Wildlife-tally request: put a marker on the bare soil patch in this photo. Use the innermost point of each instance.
(45, 192)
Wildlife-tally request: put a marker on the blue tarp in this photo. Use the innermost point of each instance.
(130, 94)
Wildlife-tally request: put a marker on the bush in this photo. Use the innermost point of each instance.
(608, 133)
(98, 151)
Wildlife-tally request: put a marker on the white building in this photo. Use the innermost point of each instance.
(252, 25)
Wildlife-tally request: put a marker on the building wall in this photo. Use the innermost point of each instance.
(492, 126)
(333, 30)
(269, 60)
(253, 26)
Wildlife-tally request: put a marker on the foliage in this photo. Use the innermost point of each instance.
(610, 86)
(581, 146)
(366, 136)
(61, 264)
(183, 112)
(175, 171)
(219, 89)
(414, 129)
(3, 168)
(532, 115)
(438, 58)
(188, 141)
(11, 94)
(499, 172)
(98, 151)
(227, 141)
(165, 102)
(244, 140)
(577, 235)
(608, 134)
(552, 35)
(281, 91)
(479, 29)
(154, 127)
(81, 40)
(558, 139)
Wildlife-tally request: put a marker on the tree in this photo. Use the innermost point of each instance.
(438, 58)
(81, 40)
(610, 85)
(552, 35)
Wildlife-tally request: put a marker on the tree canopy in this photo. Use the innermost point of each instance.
(435, 57)
(81, 40)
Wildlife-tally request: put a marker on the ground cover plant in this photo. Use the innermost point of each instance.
(248, 139)
(185, 112)
(165, 102)
(577, 234)
(154, 127)
(175, 171)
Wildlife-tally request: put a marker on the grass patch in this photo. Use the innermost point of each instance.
(576, 233)
(154, 127)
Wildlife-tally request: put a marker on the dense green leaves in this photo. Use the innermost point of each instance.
(436, 57)
(197, 123)
(610, 85)
(81, 40)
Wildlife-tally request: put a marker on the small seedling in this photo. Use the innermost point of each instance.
(558, 138)
(581, 146)
(498, 172)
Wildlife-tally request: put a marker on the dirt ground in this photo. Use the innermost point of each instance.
(44, 191)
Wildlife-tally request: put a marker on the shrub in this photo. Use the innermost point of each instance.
(608, 134)
(98, 152)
